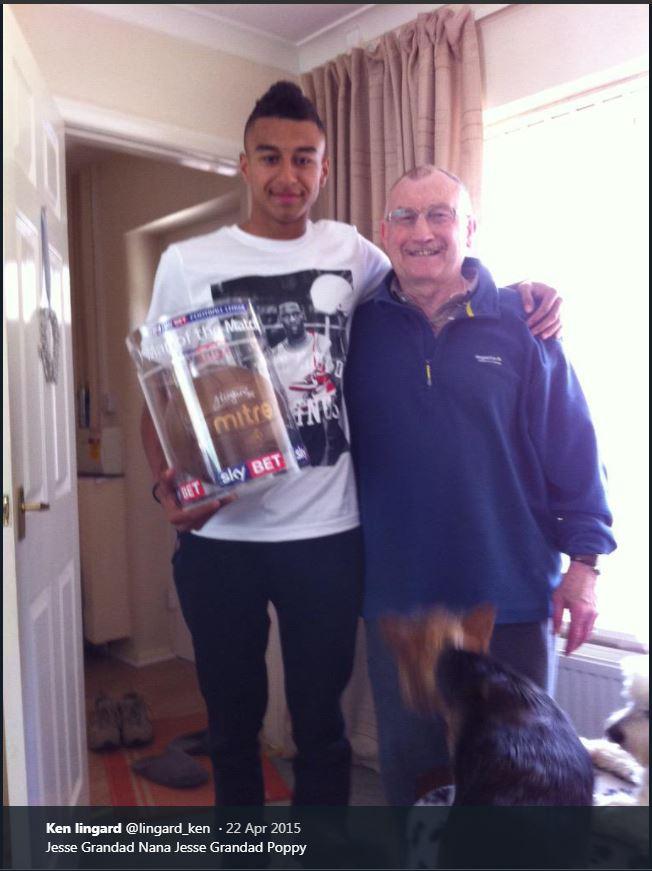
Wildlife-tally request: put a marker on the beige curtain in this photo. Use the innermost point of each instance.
(415, 98)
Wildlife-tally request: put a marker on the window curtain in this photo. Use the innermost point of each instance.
(415, 98)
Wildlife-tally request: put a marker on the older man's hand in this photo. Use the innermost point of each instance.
(576, 592)
(185, 520)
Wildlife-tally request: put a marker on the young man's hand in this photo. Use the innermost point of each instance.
(542, 303)
(185, 520)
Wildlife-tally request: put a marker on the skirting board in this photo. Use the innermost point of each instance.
(141, 659)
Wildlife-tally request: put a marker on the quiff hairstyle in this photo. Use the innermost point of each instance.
(284, 100)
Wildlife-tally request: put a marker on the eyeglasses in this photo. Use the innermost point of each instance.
(436, 216)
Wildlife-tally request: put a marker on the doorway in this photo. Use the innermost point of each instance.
(124, 209)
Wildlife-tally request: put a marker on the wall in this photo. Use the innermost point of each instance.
(122, 67)
(131, 192)
(527, 48)
(117, 66)
(532, 48)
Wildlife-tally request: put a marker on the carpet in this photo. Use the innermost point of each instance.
(128, 789)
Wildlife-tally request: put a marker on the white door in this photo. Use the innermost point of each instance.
(45, 740)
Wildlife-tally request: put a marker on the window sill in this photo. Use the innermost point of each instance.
(608, 640)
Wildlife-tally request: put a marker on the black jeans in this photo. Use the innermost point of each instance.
(315, 585)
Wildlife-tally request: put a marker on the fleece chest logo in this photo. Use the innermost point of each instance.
(489, 358)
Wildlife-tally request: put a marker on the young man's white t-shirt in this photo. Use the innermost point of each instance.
(328, 271)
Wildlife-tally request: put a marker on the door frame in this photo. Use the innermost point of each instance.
(148, 138)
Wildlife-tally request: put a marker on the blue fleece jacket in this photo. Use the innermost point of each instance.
(475, 454)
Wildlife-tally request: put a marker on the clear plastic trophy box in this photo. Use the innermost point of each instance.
(215, 400)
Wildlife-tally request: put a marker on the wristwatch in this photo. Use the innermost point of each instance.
(588, 559)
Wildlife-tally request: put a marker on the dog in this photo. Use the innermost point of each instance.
(628, 734)
(510, 743)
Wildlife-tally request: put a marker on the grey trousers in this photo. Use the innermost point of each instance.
(411, 745)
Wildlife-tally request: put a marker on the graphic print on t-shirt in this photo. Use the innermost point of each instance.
(304, 315)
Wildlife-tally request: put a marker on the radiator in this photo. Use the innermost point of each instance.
(589, 687)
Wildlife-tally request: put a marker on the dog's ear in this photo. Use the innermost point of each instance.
(394, 630)
(478, 624)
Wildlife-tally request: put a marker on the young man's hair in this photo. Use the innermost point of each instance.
(284, 100)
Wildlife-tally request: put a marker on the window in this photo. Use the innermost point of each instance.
(565, 201)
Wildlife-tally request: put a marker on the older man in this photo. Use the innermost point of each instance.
(476, 460)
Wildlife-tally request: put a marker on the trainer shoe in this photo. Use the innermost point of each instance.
(135, 725)
(104, 724)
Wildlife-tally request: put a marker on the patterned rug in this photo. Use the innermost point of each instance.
(128, 789)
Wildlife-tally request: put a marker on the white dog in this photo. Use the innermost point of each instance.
(628, 730)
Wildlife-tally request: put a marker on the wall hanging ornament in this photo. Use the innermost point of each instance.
(49, 334)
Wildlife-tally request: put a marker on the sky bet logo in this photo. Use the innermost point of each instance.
(265, 465)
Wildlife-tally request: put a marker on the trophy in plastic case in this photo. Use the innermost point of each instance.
(219, 410)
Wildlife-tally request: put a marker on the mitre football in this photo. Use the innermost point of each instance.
(237, 409)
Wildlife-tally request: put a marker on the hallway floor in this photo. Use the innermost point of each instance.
(170, 689)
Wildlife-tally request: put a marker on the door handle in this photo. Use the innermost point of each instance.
(23, 507)
(35, 506)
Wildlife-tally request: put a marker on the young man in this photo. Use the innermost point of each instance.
(476, 459)
(299, 545)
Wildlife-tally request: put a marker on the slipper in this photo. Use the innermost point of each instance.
(192, 743)
(172, 768)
